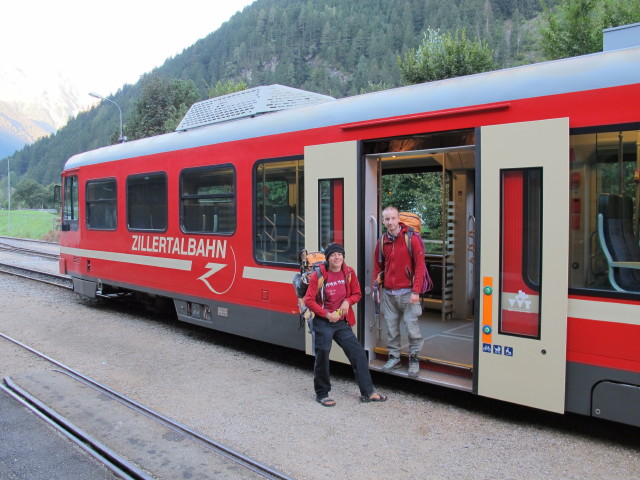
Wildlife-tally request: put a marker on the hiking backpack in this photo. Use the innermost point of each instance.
(309, 263)
(411, 220)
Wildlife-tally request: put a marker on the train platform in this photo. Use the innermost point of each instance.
(31, 449)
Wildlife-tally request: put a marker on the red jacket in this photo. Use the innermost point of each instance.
(354, 294)
(400, 269)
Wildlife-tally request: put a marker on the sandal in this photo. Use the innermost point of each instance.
(326, 402)
(371, 398)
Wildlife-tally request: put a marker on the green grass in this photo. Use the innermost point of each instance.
(29, 224)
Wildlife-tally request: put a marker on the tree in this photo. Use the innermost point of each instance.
(420, 193)
(225, 88)
(161, 106)
(374, 87)
(444, 56)
(30, 194)
(575, 27)
(621, 12)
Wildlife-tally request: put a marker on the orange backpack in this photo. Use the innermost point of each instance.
(309, 262)
(411, 220)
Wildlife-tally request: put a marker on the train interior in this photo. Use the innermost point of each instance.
(279, 195)
(433, 176)
(605, 200)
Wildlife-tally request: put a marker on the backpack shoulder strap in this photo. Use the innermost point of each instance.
(407, 240)
(320, 274)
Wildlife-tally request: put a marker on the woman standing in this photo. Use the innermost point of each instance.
(339, 291)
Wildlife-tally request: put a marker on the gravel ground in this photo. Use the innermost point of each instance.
(259, 400)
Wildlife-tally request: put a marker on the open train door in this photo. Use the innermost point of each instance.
(524, 203)
(331, 205)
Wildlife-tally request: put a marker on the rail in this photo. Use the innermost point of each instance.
(56, 280)
(7, 247)
(111, 459)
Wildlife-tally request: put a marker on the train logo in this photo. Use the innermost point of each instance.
(520, 302)
(214, 268)
(207, 248)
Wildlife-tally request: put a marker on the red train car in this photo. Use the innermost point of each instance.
(536, 258)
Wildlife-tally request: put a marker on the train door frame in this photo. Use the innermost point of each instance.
(524, 369)
(333, 161)
(457, 166)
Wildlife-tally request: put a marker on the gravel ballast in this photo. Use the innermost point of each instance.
(258, 399)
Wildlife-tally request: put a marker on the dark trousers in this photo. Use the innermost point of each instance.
(324, 332)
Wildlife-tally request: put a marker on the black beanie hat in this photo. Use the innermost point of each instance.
(333, 248)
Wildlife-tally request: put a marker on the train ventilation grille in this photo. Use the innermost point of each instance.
(247, 103)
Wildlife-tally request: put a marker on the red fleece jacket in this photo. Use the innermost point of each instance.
(400, 269)
(354, 294)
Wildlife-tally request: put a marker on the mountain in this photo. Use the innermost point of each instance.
(27, 112)
(334, 47)
(16, 129)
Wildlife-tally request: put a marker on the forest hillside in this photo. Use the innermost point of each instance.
(332, 47)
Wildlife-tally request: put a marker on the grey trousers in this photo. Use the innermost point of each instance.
(395, 308)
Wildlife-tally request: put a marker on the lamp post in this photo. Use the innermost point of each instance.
(9, 194)
(93, 94)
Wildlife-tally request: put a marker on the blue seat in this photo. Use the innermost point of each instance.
(619, 244)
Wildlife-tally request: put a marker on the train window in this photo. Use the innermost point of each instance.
(331, 214)
(604, 203)
(70, 203)
(208, 200)
(101, 204)
(521, 246)
(147, 201)
(279, 210)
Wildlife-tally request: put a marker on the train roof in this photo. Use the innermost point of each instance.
(587, 72)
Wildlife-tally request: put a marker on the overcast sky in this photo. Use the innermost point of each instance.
(101, 45)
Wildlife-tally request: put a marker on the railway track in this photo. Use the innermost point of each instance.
(65, 398)
(35, 252)
(57, 280)
(184, 448)
(7, 246)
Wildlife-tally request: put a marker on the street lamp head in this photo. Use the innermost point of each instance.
(122, 138)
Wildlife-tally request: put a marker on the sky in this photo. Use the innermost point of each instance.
(101, 45)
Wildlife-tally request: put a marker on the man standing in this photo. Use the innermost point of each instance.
(402, 274)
